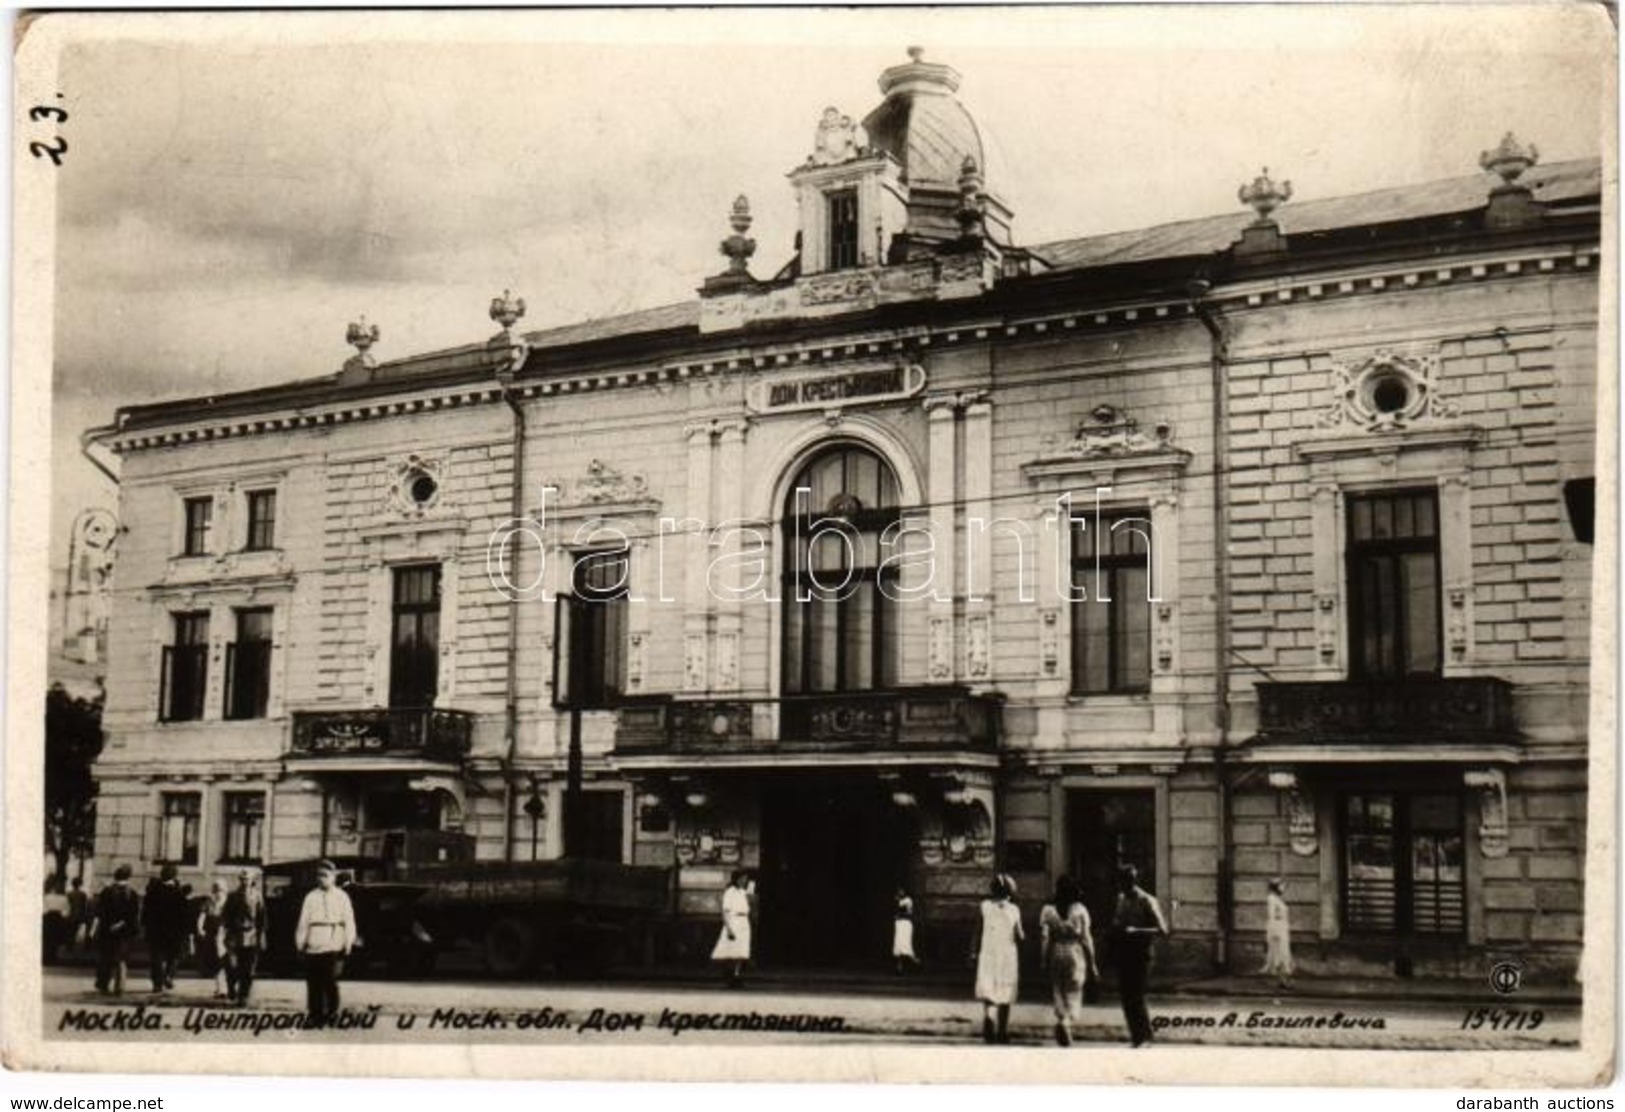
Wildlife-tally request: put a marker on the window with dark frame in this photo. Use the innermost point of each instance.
(261, 520)
(248, 665)
(414, 656)
(185, 669)
(839, 623)
(843, 228)
(598, 631)
(245, 827)
(1403, 863)
(199, 517)
(181, 817)
(1111, 610)
(1393, 578)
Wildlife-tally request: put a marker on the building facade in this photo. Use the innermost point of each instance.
(1246, 547)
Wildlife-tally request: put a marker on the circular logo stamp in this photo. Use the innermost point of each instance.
(1506, 977)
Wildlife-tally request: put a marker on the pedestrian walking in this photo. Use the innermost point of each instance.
(998, 958)
(116, 922)
(902, 932)
(323, 937)
(1277, 935)
(242, 936)
(1136, 926)
(733, 943)
(54, 929)
(166, 920)
(209, 955)
(1069, 954)
(78, 914)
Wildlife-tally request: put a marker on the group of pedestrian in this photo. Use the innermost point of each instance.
(227, 934)
(1066, 943)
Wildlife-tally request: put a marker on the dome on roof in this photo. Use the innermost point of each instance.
(921, 124)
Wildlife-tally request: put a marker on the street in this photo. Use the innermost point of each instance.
(462, 1011)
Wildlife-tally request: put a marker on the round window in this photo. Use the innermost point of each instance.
(1390, 394)
(422, 488)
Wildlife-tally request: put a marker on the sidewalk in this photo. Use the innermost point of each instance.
(1418, 989)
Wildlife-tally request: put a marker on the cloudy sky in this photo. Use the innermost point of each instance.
(239, 187)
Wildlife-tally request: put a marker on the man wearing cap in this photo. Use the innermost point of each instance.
(118, 911)
(323, 938)
(166, 918)
(242, 936)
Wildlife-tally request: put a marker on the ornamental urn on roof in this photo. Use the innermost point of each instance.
(1264, 195)
(361, 336)
(1509, 159)
(507, 310)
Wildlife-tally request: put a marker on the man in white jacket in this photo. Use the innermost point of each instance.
(323, 938)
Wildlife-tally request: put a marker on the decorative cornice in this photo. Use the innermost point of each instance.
(1392, 442)
(1565, 258)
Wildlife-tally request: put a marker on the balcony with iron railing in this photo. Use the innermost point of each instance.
(1416, 709)
(425, 733)
(938, 717)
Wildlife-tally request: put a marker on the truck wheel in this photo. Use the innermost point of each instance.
(510, 947)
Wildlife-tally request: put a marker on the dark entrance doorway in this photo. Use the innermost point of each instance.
(833, 854)
(1106, 829)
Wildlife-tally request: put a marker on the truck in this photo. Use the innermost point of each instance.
(421, 893)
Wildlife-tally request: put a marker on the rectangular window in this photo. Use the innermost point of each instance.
(1394, 595)
(185, 670)
(414, 659)
(843, 228)
(261, 520)
(598, 629)
(245, 827)
(199, 518)
(1111, 617)
(181, 816)
(248, 665)
(1403, 864)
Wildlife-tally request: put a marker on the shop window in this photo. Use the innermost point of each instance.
(1403, 864)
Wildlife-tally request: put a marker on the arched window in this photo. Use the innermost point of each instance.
(840, 629)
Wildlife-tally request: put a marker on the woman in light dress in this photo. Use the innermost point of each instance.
(210, 955)
(1069, 954)
(733, 944)
(997, 958)
(902, 932)
(1277, 935)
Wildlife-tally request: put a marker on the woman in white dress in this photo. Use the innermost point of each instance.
(733, 944)
(902, 932)
(998, 957)
(1277, 935)
(1069, 954)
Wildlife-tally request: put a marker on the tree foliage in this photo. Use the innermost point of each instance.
(73, 739)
